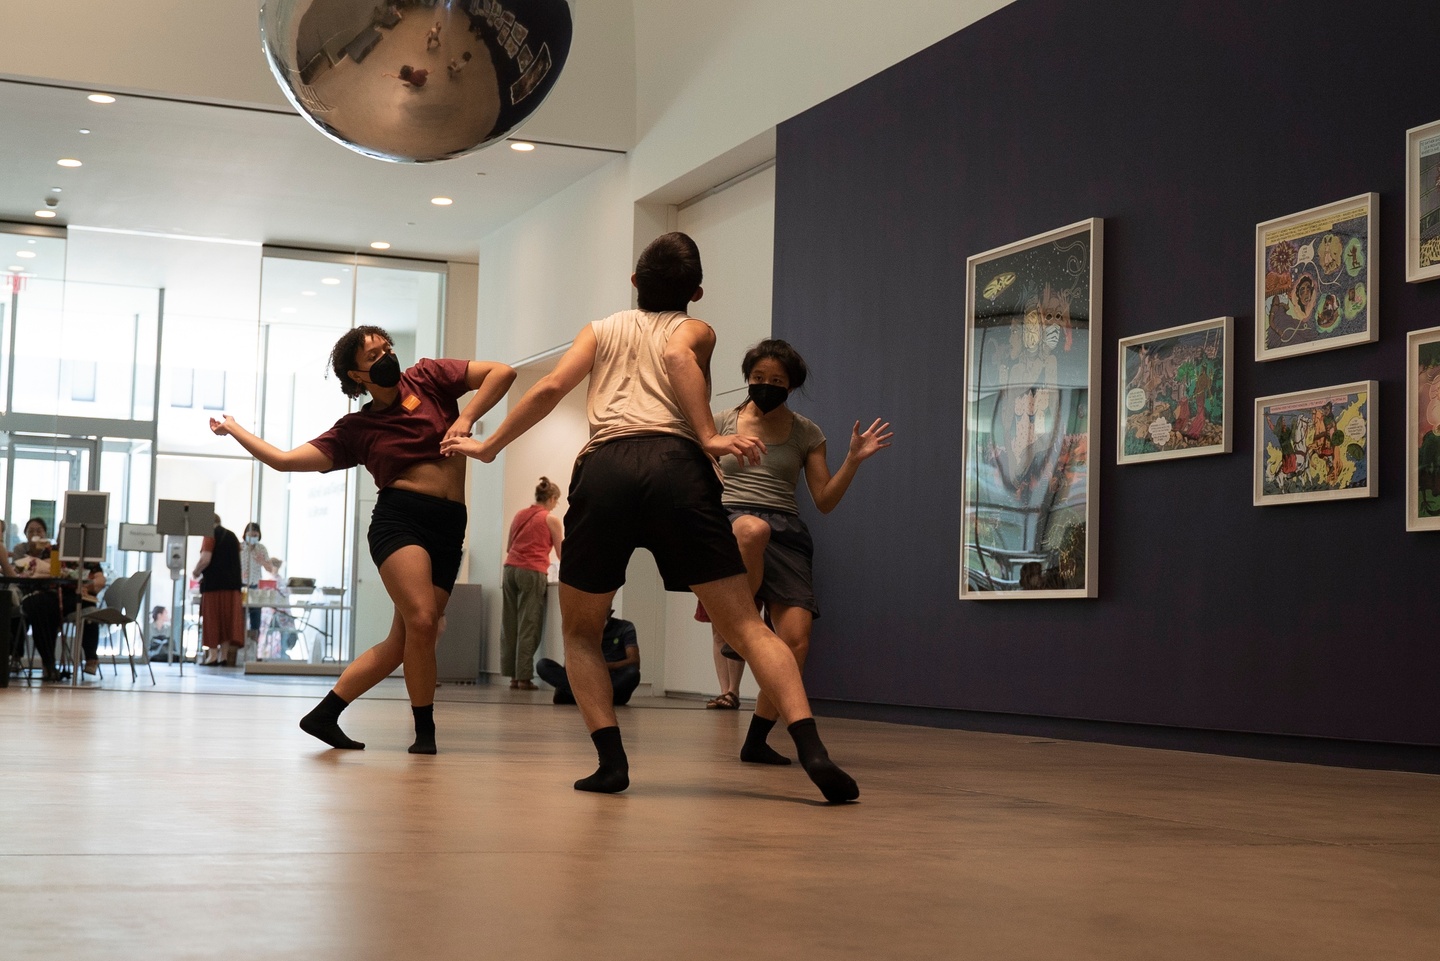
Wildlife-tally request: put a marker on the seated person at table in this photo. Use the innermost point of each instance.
(44, 614)
(622, 657)
(33, 550)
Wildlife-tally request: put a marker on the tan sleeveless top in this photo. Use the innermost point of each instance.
(630, 392)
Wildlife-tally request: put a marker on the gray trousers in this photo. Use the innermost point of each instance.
(522, 618)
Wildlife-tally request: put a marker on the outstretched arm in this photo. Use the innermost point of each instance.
(827, 490)
(489, 380)
(537, 402)
(687, 361)
(306, 457)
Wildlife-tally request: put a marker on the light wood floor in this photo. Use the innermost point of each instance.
(194, 820)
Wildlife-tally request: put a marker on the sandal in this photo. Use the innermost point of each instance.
(729, 701)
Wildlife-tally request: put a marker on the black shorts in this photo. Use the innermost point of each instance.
(402, 518)
(656, 491)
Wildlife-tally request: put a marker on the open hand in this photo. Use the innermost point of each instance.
(223, 427)
(746, 449)
(461, 428)
(876, 437)
(467, 445)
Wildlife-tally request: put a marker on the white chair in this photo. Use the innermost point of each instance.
(121, 609)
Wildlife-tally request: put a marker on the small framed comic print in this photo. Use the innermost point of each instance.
(1175, 392)
(1316, 444)
(1315, 279)
(1422, 203)
(1422, 430)
(1029, 504)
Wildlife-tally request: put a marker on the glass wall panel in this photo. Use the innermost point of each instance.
(208, 369)
(86, 350)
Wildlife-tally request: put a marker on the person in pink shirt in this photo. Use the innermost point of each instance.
(534, 532)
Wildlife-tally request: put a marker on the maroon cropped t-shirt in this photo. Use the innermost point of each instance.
(407, 432)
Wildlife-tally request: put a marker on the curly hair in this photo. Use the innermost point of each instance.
(342, 356)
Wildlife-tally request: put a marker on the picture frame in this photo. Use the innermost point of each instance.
(1174, 392)
(1313, 445)
(1029, 502)
(1422, 430)
(1316, 279)
(1422, 203)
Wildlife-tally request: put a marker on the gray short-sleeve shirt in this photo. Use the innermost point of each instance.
(771, 483)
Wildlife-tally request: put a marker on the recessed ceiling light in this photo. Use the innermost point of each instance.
(69, 162)
(522, 146)
(54, 190)
(331, 281)
(25, 253)
(380, 245)
(100, 98)
(307, 293)
(44, 214)
(30, 242)
(288, 310)
(84, 129)
(441, 201)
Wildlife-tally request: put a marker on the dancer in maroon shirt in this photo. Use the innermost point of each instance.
(417, 529)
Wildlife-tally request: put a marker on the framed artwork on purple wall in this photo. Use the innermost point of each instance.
(1315, 445)
(1315, 279)
(1029, 510)
(1422, 203)
(1175, 392)
(1422, 430)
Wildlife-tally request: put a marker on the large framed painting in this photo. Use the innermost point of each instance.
(1422, 203)
(1316, 444)
(1315, 279)
(1032, 366)
(1422, 430)
(1175, 392)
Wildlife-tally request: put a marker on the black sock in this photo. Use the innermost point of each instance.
(613, 774)
(324, 722)
(424, 729)
(834, 783)
(755, 750)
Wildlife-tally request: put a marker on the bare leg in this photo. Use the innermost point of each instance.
(582, 620)
(419, 605)
(733, 612)
(792, 624)
(727, 672)
(753, 536)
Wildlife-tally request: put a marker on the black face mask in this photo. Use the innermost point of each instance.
(385, 372)
(767, 397)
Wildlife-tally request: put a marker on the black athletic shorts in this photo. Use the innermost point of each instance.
(656, 491)
(402, 518)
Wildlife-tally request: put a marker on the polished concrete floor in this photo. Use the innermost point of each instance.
(193, 820)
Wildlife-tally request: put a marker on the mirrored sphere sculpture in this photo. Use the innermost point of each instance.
(413, 81)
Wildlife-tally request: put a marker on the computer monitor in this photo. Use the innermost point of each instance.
(82, 526)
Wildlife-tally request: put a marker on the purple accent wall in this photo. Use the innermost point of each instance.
(1183, 125)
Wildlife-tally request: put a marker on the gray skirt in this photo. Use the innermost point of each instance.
(789, 558)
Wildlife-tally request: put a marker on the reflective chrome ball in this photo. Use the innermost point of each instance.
(414, 81)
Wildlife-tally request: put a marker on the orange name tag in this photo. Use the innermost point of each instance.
(410, 402)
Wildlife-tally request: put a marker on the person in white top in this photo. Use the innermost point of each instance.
(255, 563)
(648, 478)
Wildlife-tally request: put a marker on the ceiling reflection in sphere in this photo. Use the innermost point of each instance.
(415, 81)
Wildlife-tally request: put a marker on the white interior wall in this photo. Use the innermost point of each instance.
(712, 76)
(735, 230)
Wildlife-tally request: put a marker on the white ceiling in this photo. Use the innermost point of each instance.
(258, 175)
